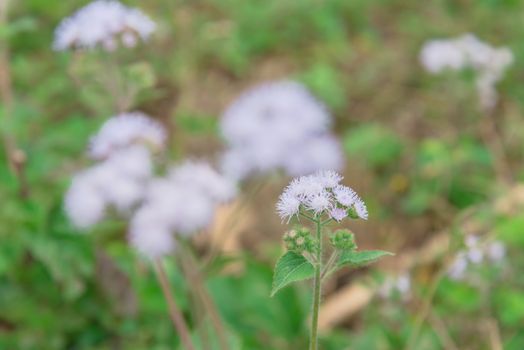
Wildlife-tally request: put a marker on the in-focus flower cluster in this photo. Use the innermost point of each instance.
(475, 253)
(120, 177)
(183, 202)
(467, 51)
(318, 194)
(107, 24)
(278, 125)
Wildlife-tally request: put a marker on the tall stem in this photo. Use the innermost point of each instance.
(174, 311)
(200, 287)
(313, 339)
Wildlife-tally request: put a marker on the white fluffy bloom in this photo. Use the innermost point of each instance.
(104, 24)
(398, 284)
(118, 182)
(204, 177)
(467, 51)
(182, 203)
(338, 214)
(278, 125)
(149, 236)
(320, 193)
(125, 130)
(320, 202)
(288, 206)
(83, 205)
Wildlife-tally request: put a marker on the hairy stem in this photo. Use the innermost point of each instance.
(313, 339)
(174, 311)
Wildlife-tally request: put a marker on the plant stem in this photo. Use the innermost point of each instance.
(174, 311)
(313, 339)
(208, 303)
(16, 158)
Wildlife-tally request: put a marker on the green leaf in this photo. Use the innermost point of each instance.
(360, 258)
(291, 267)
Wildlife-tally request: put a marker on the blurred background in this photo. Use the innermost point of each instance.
(441, 177)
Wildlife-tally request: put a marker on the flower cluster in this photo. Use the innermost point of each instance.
(124, 130)
(467, 51)
(474, 254)
(278, 125)
(103, 23)
(300, 240)
(321, 193)
(343, 240)
(120, 177)
(183, 202)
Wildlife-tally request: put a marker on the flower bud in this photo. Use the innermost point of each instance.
(300, 240)
(343, 240)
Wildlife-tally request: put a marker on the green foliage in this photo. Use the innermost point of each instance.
(373, 145)
(360, 258)
(291, 267)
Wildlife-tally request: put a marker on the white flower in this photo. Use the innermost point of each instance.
(288, 206)
(329, 178)
(103, 23)
(320, 202)
(118, 182)
(338, 214)
(83, 205)
(315, 153)
(468, 51)
(320, 193)
(182, 203)
(149, 236)
(134, 162)
(278, 125)
(361, 209)
(345, 195)
(125, 130)
(204, 177)
(305, 186)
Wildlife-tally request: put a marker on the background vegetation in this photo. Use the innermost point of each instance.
(416, 150)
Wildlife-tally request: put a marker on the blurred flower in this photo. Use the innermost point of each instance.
(184, 202)
(320, 193)
(278, 125)
(124, 130)
(474, 254)
(398, 284)
(118, 182)
(467, 51)
(104, 24)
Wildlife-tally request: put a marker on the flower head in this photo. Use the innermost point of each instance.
(467, 51)
(278, 125)
(105, 24)
(125, 130)
(182, 203)
(320, 193)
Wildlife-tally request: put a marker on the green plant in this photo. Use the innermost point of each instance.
(321, 199)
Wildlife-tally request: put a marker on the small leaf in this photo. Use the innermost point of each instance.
(361, 258)
(291, 267)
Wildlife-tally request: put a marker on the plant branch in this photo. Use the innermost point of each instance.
(16, 158)
(198, 282)
(174, 312)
